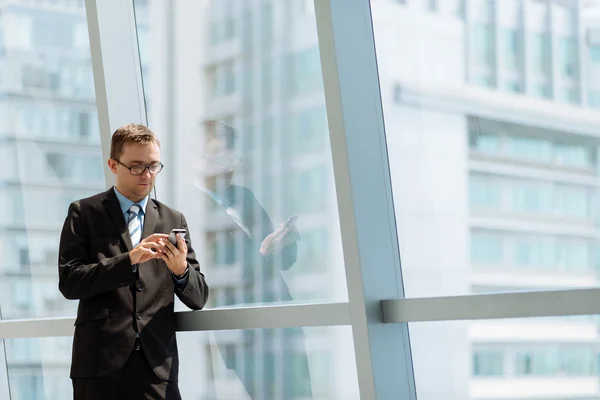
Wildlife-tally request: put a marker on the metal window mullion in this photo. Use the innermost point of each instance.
(117, 69)
(365, 204)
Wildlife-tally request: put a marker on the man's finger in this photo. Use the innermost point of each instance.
(170, 248)
(181, 242)
(154, 237)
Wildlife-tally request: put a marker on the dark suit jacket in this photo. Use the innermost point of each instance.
(257, 270)
(115, 302)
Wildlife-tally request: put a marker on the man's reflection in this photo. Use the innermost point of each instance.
(273, 362)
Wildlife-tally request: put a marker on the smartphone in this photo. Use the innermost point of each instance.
(173, 239)
(290, 222)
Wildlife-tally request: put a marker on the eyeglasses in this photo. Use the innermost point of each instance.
(141, 168)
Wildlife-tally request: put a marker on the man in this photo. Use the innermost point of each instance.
(262, 252)
(115, 258)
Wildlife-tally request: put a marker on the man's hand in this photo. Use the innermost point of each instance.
(147, 249)
(280, 238)
(174, 257)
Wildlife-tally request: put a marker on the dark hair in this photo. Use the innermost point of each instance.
(220, 131)
(130, 134)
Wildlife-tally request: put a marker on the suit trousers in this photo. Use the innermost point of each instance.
(136, 381)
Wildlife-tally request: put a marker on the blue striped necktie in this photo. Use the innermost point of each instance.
(134, 224)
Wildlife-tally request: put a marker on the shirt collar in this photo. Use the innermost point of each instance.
(126, 204)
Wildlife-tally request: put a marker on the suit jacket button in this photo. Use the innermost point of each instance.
(187, 292)
(138, 316)
(139, 287)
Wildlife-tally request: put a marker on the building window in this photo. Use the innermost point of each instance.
(568, 56)
(309, 189)
(530, 149)
(570, 95)
(308, 130)
(488, 363)
(484, 80)
(266, 24)
(594, 98)
(541, 52)
(484, 143)
(486, 248)
(305, 72)
(569, 361)
(543, 91)
(515, 87)
(512, 48)
(573, 155)
(537, 362)
(483, 39)
(595, 53)
(230, 247)
(531, 198)
(223, 79)
(484, 193)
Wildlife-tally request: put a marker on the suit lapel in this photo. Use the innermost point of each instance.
(113, 209)
(150, 219)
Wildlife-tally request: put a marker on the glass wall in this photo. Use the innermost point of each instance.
(50, 148)
(490, 110)
(526, 358)
(234, 91)
(235, 94)
(494, 166)
(503, 183)
(301, 363)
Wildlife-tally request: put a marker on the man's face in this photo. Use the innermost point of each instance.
(135, 188)
(218, 160)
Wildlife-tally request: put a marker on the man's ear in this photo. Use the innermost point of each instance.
(112, 164)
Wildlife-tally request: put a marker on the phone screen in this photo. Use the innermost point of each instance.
(290, 222)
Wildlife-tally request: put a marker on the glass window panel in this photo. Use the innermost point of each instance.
(255, 151)
(483, 36)
(594, 98)
(38, 368)
(595, 53)
(512, 48)
(541, 52)
(485, 192)
(543, 91)
(568, 56)
(490, 190)
(530, 149)
(294, 363)
(486, 248)
(485, 143)
(488, 362)
(53, 137)
(526, 358)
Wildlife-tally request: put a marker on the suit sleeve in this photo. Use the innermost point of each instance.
(78, 278)
(194, 293)
(287, 258)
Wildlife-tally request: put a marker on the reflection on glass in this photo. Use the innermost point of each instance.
(255, 177)
(247, 159)
(299, 363)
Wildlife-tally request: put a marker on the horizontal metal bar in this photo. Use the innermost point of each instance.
(261, 317)
(484, 306)
(493, 306)
(288, 316)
